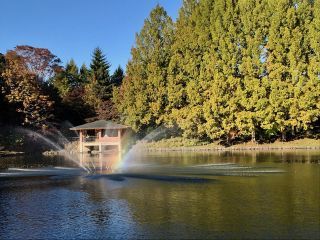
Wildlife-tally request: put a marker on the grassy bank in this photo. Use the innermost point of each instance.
(181, 144)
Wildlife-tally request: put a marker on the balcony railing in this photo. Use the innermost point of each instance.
(96, 139)
(90, 139)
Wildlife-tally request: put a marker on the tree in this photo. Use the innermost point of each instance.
(2, 68)
(117, 77)
(137, 99)
(292, 106)
(23, 88)
(39, 61)
(70, 102)
(226, 69)
(254, 16)
(84, 74)
(67, 79)
(99, 74)
(223, 60)
(187, 79)
(3, 103)
(309, 100)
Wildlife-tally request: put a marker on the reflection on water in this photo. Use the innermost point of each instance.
(101, 162)
(158, 195)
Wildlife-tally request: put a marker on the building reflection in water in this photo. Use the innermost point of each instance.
(101, 163)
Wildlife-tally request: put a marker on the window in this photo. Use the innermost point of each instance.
(109, 133)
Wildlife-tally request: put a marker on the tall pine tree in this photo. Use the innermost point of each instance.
(117, 77)
(98, 87)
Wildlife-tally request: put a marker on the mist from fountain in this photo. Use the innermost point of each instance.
(126, 161)
(54, 145)
(129, 166)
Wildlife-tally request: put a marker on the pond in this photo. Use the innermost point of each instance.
(222, 195)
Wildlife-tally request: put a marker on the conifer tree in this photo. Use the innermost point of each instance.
(246, 69)
(68, 79)
(185, 82)
(83, 74)
(99, 73)
(223, 61)
(117, 77)
(143, 92)
(72, 73)
(310, 98)
(98, 87)
(254, 16)
(100, 66)
(287, 61)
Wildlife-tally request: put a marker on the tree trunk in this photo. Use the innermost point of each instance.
(293, 132)
(253, 136)
(283, 136)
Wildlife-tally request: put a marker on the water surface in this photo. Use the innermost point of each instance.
(219, 195)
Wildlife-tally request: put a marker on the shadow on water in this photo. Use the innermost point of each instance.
(165, 178)
(104, 167)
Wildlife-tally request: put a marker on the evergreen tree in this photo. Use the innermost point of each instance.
(117, 77)
(84, 74)
(310, 98)
(287, 61)
(137, 99)
(187, 81)
(100, 66)
(68, 79)
(72, 74)
(226, 69)
(223, 71)
(254, 16)
(99, 73)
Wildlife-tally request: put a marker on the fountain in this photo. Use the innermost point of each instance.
(126, 166)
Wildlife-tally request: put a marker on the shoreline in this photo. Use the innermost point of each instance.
(171, 145)
(10, 153)
(223, 149)
(175, 145)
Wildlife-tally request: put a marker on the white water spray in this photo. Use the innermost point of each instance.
(55, 146)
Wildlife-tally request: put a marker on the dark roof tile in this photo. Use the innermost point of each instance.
(100, 124)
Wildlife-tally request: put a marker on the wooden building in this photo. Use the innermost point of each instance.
(101, 135)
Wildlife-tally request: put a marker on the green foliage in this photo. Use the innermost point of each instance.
(117, 77)
(99, 78)
(224, 70)
(84, 74)
(68, 79)
(142, 97)
(227, 69)
(100, 67)
(175, 142)
(37, 91)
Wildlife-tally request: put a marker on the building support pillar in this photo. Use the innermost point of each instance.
(80, 141)
(100, 147)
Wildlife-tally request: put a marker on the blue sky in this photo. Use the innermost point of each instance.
(72, 29)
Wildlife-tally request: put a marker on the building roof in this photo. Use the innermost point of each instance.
(100, 124)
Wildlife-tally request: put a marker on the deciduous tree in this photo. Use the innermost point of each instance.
(23, 88)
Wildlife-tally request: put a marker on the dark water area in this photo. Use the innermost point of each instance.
(222, 195)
